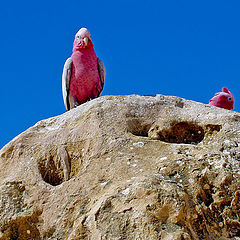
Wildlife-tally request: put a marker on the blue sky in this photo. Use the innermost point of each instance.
(189, 49)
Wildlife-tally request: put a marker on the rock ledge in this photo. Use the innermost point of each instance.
(124, 167)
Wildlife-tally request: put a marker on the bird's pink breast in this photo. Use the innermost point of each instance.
(85, 78)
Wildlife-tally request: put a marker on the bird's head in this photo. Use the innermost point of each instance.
(82, 39)
(223, 99)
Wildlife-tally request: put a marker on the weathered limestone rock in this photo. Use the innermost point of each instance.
(124, 167)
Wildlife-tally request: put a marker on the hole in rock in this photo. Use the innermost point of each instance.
(50, 172)
(138, 128)
(178, 132)
(182, 132)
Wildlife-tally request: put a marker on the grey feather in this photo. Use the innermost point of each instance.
(102, 71)
(66, 76)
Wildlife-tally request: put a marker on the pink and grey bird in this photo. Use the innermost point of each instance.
(223, 99)
(83, 73)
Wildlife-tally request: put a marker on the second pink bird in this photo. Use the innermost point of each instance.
(223, 99)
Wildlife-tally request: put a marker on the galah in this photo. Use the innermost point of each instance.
(223, 99)
(83, 74)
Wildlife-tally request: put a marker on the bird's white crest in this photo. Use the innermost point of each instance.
(83, 32)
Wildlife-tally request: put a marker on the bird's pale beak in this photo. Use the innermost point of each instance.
(85, 41)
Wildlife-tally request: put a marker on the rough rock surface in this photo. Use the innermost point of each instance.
(124, 167)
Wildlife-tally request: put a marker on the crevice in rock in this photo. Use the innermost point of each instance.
(205, 192)
(178, 132)
(182, 132)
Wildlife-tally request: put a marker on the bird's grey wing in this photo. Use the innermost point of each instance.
(102, 71)
(66, 76)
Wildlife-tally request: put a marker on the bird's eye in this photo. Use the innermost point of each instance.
(229, 99)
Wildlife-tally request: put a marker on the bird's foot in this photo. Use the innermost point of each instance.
(76, 104)
(73, 101)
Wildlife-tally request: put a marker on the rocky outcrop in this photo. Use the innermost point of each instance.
(124, 167)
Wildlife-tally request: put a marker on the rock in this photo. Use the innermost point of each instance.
(124, 167)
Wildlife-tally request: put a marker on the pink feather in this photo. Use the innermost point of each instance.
(85, 81)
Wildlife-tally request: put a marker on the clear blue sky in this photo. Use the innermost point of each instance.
(189, 49)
